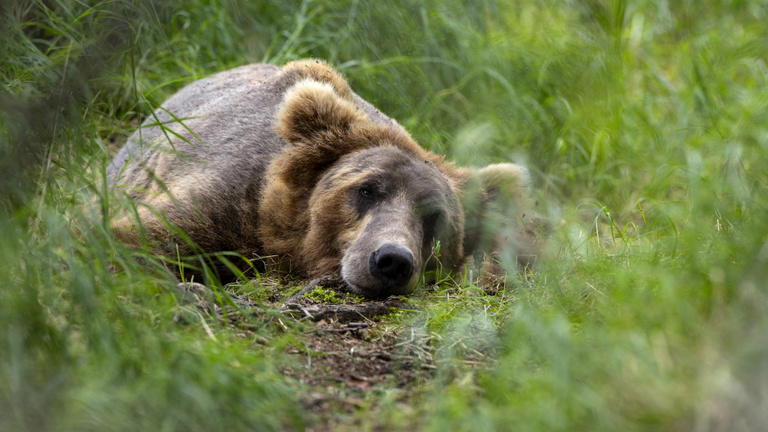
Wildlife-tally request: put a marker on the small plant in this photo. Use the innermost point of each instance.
(324, 295)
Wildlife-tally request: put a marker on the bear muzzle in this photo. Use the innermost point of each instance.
(392, 266)
(391, 269)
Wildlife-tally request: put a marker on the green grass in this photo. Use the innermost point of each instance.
(644, 124)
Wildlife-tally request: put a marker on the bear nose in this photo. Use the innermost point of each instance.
(392, 265)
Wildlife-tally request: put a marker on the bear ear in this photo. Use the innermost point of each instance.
(317, 70)
(496, 206)
(504, 180)
(312, 113)
(320, 127)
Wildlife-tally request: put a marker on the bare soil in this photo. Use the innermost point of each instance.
(349, 352)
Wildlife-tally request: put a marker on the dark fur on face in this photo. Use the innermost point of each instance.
(394, 200)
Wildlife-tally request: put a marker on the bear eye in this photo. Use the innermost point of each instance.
(366, 192)
(364, 197)
(432, 221)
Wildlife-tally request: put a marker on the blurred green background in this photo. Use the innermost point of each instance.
(644, 124)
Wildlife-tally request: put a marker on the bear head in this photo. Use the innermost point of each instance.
(351, 197)
(354, 198)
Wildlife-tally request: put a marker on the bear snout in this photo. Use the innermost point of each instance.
(391, 265)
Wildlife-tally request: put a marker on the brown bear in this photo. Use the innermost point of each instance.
(290, 162)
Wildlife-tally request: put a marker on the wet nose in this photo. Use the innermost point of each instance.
(392, 265)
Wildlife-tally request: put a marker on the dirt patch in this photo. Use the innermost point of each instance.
(347, 365)
(349, 352)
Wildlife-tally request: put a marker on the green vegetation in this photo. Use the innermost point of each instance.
(644, 124)
(326, 296)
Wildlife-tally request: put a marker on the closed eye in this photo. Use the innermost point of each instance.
(432, 222)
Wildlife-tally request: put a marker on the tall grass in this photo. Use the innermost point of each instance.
(644, 123)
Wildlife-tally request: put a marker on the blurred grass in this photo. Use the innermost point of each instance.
(644, 123)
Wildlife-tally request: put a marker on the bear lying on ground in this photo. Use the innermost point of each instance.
(289, 162)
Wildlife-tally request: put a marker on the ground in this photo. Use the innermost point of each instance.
(351, 350)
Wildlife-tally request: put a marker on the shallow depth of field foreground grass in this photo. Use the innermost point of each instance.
(644, 124)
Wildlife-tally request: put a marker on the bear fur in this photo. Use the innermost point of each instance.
(290, 162)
